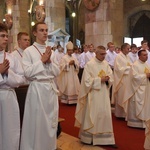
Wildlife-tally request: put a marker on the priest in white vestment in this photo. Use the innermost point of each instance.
(11, 76)
(136, 93)
(138, 110)
(68, 82)
(121, 79)
(41, 107)
(93, 111)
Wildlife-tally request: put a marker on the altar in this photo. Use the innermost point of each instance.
(58, 37)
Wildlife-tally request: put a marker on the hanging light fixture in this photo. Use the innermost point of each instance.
(73, 14)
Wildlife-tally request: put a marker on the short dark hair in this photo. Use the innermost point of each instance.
(3, 27)
(140, 51)
(98, 48)
(144, 41)
(109, 44)
(133, 46)
(34, 28)
(58, 45)
(123, 46)
(75, 48)
(101, 47)
(20, 34)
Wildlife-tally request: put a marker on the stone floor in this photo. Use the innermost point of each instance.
(68, 142)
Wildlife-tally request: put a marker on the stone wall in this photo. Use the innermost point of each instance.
(81, 23)
(105, 24)
(109, 22)
(23, 15)
(131, 7)
(116, 17)
(2, 10)
(20, 22)
(55, 14)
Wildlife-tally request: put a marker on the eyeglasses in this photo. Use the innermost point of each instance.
(4, 35)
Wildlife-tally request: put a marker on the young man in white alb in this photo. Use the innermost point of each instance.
(41, 107)
(11, 76)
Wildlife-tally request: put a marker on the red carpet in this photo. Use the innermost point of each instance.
(126, 138)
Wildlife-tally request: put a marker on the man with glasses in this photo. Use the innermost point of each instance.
(11, 76)
(93, 111)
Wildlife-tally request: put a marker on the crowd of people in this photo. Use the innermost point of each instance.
(93, 78)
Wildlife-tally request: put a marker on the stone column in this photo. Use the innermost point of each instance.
(2, 10)
(24, 21)
(105, 24)
(55, 14)
(16, 26)
(20, 22)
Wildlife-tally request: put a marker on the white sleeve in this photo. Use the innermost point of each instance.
(31, 68)
(82, 61)
(15, 76)
(2, 81)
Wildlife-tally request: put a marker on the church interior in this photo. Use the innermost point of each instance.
(94, 22)
(97, 21)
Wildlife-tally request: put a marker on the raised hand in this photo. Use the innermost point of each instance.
(46, 56)
(71, 62)
(105, 78)
(148, 75)
(4, 67)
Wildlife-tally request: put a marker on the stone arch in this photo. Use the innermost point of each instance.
(134, 11)
(139, 25)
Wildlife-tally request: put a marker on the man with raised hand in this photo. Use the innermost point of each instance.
(41, 107)
(11, 76)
